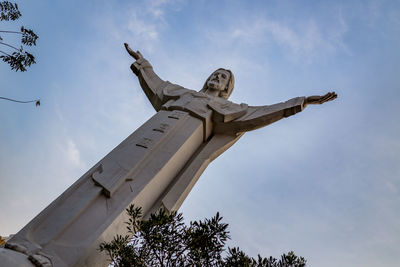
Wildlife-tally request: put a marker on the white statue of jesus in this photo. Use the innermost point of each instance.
(155, 167)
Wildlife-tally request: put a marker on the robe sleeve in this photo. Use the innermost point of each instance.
(260, 116)
(150, 82)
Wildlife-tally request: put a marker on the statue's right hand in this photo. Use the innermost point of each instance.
(136, 55)
(317, 99)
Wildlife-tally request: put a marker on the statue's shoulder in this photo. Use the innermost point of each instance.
(172, 90)
(226, 111)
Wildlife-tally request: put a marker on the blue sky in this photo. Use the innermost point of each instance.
(324, 183)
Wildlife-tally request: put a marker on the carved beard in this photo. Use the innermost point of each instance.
(214, 85)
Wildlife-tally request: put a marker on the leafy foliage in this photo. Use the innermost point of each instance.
(9, 11)
(18, 59)
(237, 258)
(164, 240)
(28, 37)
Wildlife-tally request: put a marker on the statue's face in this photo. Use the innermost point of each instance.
(218, 80)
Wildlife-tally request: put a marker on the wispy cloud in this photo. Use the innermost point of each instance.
(142, 22)
(158, 7)
(303, 39)
(141, 29)
(72, 153)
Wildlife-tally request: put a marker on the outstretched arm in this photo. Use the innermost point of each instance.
(151, 84)
(260, 116)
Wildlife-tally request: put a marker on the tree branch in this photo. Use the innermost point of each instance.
(23, 102)
(10, 46)
(5, 53)
(12, 32)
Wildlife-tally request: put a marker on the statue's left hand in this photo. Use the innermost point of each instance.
(317, 99)
(136, 55)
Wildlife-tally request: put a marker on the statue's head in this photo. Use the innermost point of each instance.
(220, 83)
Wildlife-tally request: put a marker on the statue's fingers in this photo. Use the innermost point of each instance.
(131, 52)
(322, 99)
(328, 97)
(332, 96)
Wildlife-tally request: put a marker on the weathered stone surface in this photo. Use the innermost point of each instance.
(11, 258)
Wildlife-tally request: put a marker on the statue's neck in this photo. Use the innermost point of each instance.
(212, 92)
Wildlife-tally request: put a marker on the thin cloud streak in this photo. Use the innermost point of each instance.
(303, 40)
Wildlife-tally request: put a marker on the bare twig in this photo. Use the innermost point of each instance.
(37, 101)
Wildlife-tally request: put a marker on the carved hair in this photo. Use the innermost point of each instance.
(229, 87)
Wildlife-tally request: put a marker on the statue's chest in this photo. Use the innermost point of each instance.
(196, 104)
(208, 108)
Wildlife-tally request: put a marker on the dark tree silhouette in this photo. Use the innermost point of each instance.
(164, 240)
(17, 57)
